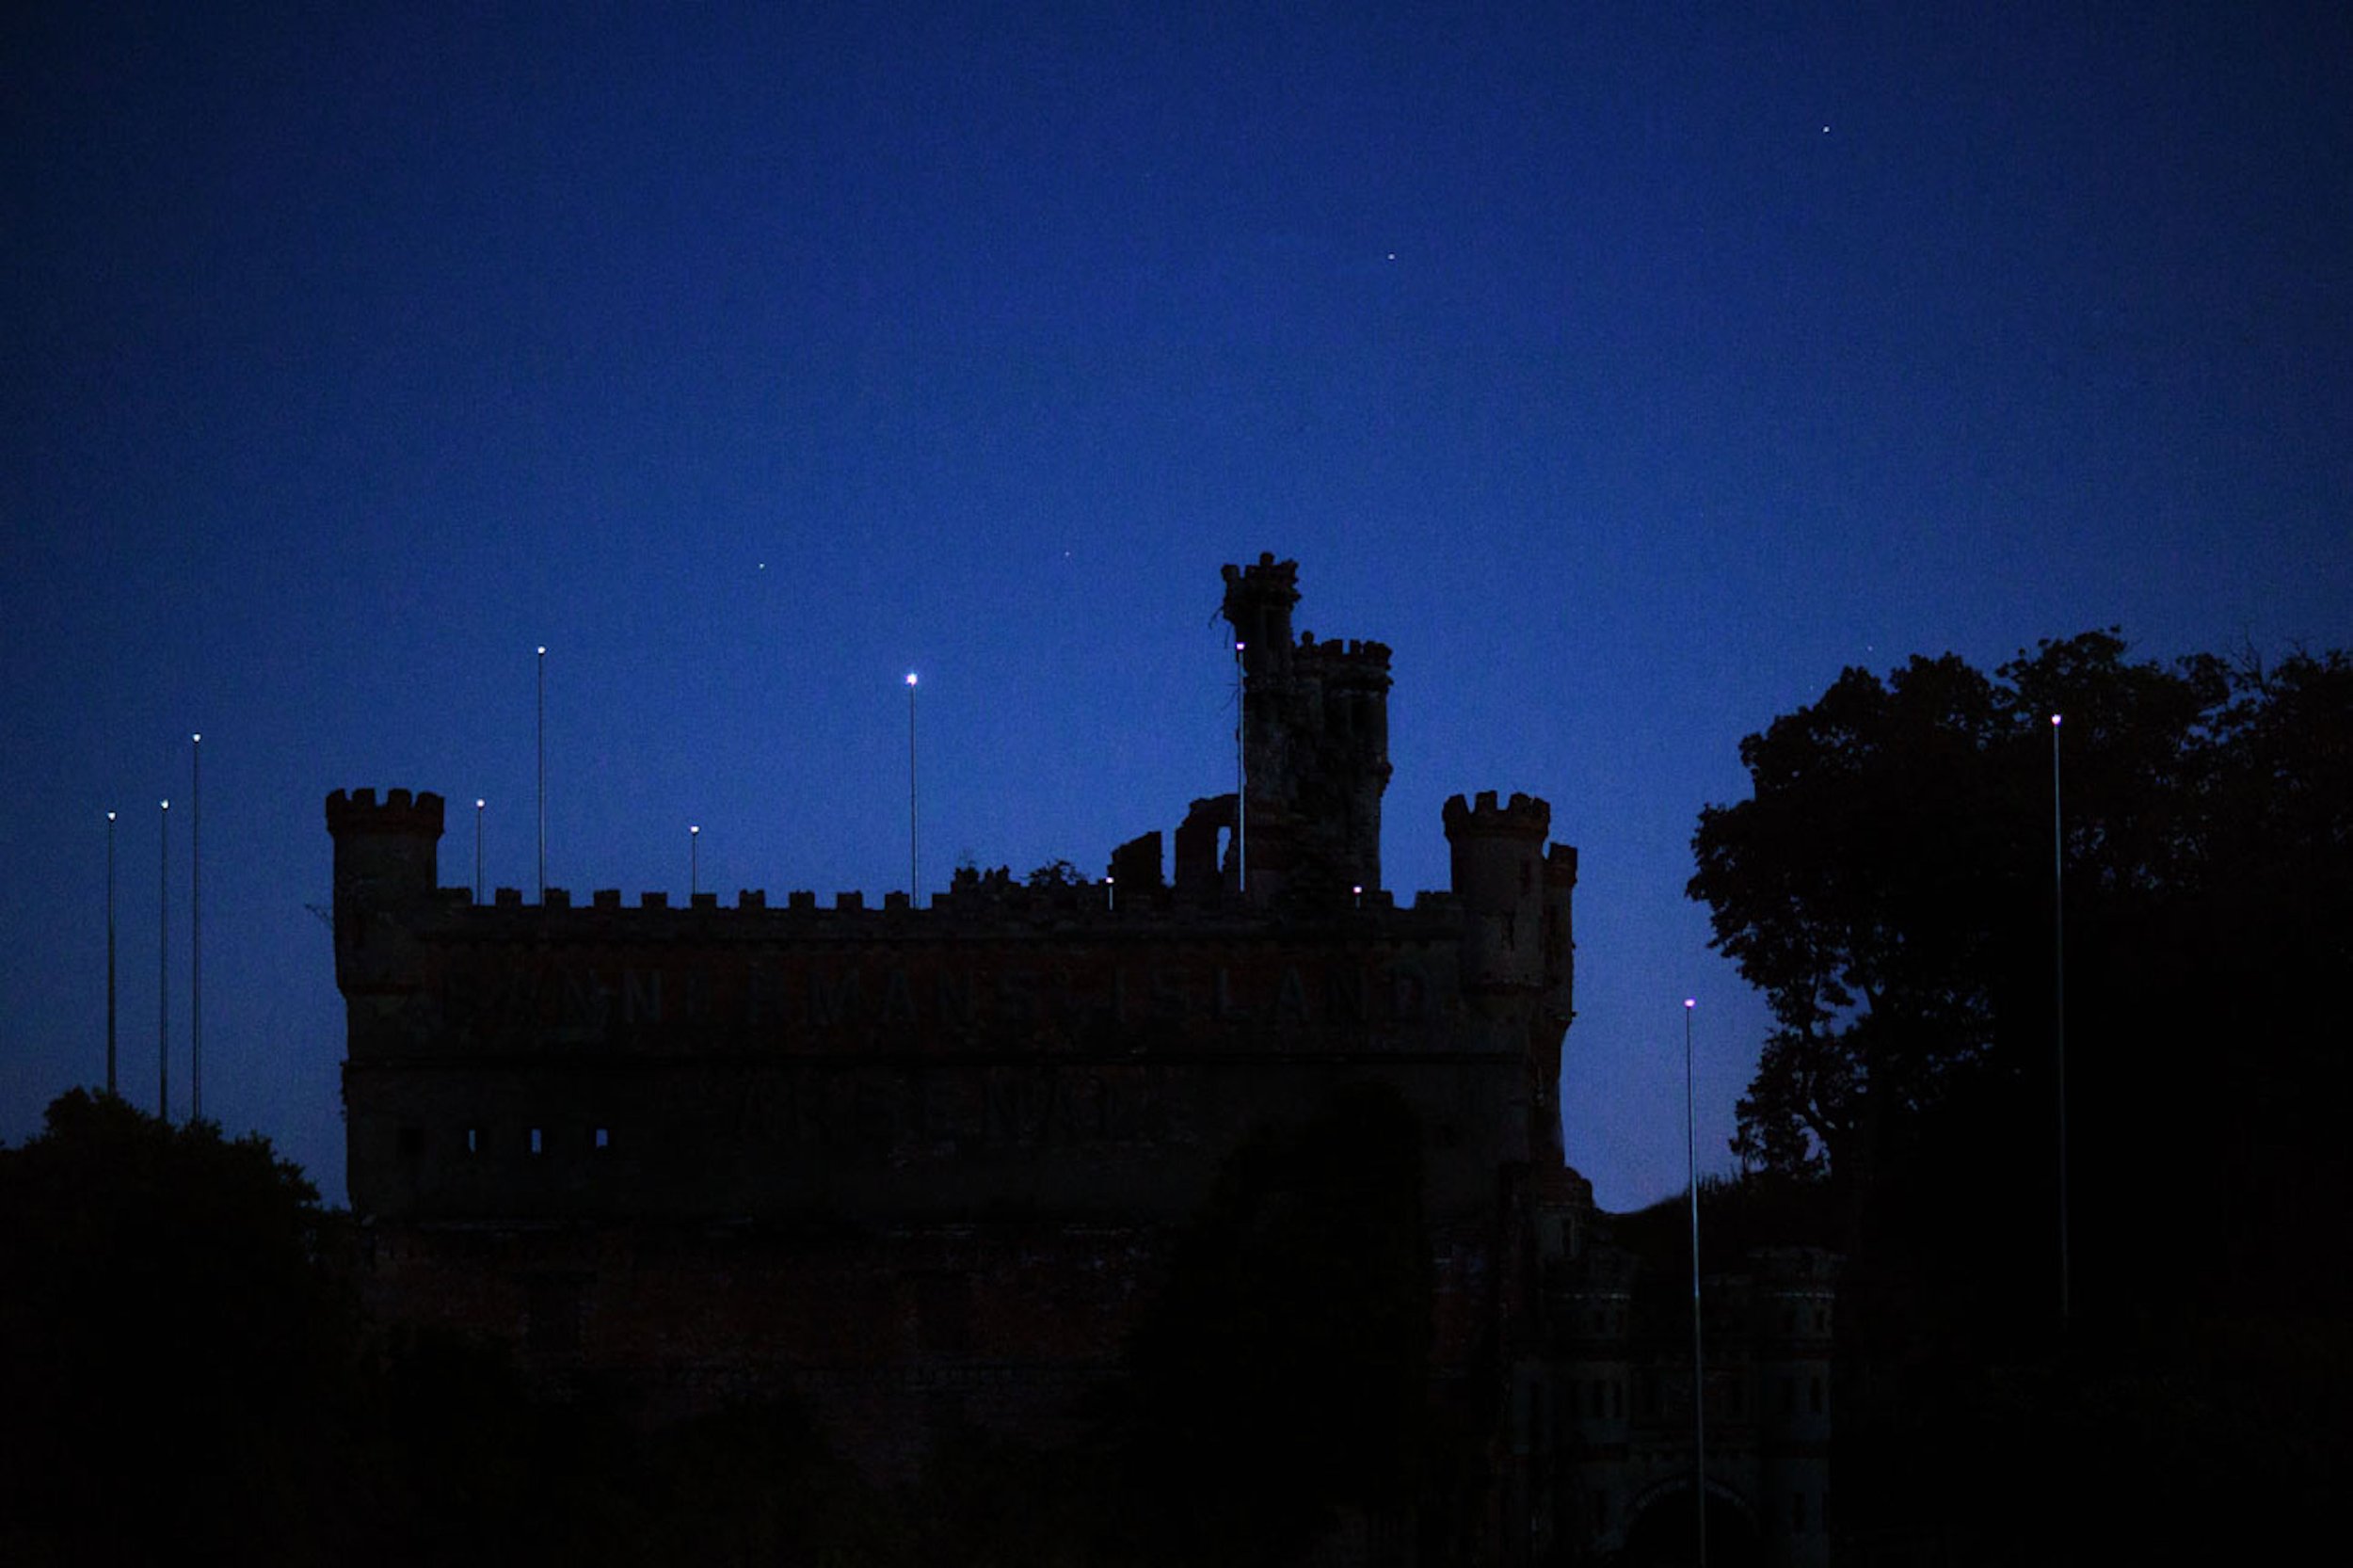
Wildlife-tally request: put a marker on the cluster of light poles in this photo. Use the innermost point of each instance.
(693, 830)
(163, 947)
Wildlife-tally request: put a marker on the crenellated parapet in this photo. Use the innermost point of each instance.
(399, 814)
(1339, 660)
(1523, 817)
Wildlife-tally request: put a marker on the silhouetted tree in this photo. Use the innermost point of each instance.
(177, 1371)
(1888, 886)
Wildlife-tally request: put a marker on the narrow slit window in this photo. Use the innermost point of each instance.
(538, 1142)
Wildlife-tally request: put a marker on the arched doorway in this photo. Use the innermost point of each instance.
(1663, 1534)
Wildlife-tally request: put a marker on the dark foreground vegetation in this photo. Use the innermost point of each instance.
(184, 1376)
(1889, 886)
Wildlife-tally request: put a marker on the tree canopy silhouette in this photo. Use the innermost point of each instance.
(1889, 886)
(169, 1324)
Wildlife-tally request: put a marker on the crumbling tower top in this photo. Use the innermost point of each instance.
(1315, 744)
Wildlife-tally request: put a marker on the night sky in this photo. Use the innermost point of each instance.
(1629, 369)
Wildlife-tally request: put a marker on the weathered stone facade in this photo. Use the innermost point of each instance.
(924, 1165)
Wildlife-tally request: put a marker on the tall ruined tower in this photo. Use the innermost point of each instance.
(1315, 744)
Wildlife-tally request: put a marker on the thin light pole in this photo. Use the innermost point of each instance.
(110, 952)
(2059, 1015)
(1699, 1365)
(915, 880)
(196, 928)
(543, 773)
(163, 971)
(693, 861)
(1241, 773)
(478, 805)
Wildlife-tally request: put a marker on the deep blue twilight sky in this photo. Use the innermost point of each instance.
(1630, 369)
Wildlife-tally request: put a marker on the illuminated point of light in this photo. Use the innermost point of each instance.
(197, 738)
(693, 829)
(1239, 647)
(110, 816)
(1690, 1002)
(910, 678)
(167, 805)
(1359, 889)
(479, 803)
(543, 650)
(2054, 718)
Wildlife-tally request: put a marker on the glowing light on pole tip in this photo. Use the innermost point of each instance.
(910, 678)
(1690, 1002)
(2054, 718)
